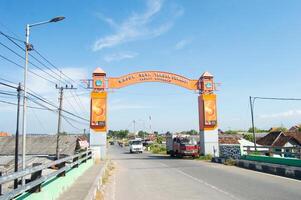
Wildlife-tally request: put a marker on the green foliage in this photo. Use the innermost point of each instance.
(191, 132)
(157, 149)
(160, 138)
(248, 137)
(230, 162)
(142, 134)
(250, 130)
(231, 132)
(205, 157)
(118, 134)
(281, 128)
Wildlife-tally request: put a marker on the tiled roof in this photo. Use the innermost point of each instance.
(40, 144)
(269, 138)
(278, 138)
(228, 139)
(4, 134)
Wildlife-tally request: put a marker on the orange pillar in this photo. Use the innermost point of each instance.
(98, 115)
(208, 116)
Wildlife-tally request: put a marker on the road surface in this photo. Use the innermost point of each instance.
(150, 177)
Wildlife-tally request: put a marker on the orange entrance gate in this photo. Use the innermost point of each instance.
(206, 103)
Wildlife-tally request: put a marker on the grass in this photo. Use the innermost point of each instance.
(230, 162)
(205, 157)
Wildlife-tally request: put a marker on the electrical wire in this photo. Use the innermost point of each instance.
(22, 57)
(20, 66)
(23, 49)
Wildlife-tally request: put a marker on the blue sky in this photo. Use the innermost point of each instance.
(251, 47)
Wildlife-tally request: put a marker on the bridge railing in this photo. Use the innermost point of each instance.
(293, 152)
(33, 184)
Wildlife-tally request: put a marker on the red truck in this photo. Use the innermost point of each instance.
(182, 145)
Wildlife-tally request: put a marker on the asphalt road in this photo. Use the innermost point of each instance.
(149, 177)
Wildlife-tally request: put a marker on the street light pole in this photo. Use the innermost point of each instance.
(24, 119)
(28, 47)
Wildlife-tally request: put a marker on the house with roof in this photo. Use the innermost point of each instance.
(295, 128)
(281, 139)
(283, 142)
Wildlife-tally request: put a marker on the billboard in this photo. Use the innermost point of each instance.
(98, 111)
(210, 118)
(207, 111)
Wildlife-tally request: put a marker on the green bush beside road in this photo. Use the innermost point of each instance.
(157, 148)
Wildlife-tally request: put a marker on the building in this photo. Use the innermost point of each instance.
(39, 149)
(4, 134)
(281, 139)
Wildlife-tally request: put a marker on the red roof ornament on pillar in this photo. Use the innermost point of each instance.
(206, 84)
(99, 78)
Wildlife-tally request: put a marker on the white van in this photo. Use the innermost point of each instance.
(136, 146)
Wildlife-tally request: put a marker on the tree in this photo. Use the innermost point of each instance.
(231, 132)
(249, 137)
(142, 134)
(281, 128)
(250, 130)
(118, 134)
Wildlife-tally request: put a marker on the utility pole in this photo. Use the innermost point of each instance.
(150, 124)
(59, 124)
(134, 123)
(17, 135)
(253, 127)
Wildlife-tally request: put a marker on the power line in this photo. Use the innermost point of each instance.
(278, 98)
(43, 57)
(70, 123)
(47, 102)
(22, 57)
(20, 66)
(10, 39)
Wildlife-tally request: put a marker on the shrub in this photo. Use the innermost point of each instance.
(230, 162)
(157, 149)
(205, 157)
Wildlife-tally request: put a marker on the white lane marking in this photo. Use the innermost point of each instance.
(203, 182)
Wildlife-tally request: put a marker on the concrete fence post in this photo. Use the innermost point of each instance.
(34, 176)
(74, 160)
(60, 166)
(0, 184)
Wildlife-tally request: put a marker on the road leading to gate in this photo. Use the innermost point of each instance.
(149, 177)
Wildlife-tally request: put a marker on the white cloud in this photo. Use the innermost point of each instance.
(137, 26)
(287, 114)
(119, 56)
(182, 43)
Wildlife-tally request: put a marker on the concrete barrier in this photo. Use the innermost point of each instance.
(97, 183)
(276, 169)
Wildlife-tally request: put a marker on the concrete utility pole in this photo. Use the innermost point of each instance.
(17, 135)
(59, 124)
(134, 123)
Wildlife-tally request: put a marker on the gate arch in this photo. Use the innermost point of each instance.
(207, 110)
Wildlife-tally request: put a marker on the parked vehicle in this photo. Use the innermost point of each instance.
(136, 145)
(111, 142)
(182, 145)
